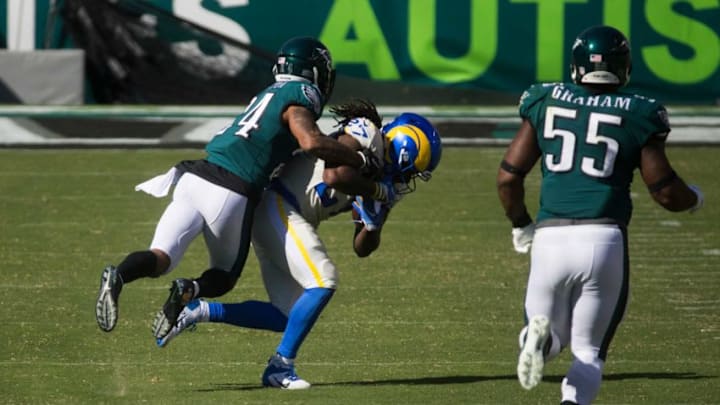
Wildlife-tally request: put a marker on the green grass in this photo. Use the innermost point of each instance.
(431, 318)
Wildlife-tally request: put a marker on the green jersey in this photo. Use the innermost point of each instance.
(258, 141)
(590, 146)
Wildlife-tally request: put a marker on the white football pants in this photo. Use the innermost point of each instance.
(201, 206)
(291, 255)
(578, 279)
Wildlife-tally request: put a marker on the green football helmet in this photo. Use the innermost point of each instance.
(307, 58)
(601, 55)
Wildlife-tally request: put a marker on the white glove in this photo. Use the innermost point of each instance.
(700, 198)
(522, 238)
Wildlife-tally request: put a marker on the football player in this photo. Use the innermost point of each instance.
(589, 137)
(299, 276)
(217, 195)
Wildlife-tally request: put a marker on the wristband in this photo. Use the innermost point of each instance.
(523, 221)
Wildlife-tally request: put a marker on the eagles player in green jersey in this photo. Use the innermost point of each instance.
(217, 196)
(589, 137)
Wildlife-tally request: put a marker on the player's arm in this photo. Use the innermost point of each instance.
(304, 128)
(346, 179)
(665, 186)
(366, 241)
(519, 159)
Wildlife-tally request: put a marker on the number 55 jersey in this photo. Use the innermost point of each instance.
(590, 144)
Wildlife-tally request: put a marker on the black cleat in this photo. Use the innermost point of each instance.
(182, 291)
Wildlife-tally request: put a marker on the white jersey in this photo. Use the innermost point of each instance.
(301, 184)
(291, 254)
(301, 179)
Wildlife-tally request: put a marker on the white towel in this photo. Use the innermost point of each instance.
(159, 186)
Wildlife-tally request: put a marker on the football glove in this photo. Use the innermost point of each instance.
(522, 238)
(700, 198)
(372, 213)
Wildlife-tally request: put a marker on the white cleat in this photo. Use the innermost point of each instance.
(280, 373)
(532, 357)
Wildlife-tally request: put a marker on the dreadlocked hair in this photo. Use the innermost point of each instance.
(354, 109)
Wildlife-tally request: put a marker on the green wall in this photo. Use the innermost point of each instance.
(493, 45)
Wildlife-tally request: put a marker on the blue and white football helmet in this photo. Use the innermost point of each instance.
(413, 150)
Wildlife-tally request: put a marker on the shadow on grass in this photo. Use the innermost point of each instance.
(464, 379)
(460, 379)
(641, 376)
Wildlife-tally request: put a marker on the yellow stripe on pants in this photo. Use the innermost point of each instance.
(298, 242)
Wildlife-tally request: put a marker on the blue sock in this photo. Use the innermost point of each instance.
(302, 317)
(249, 314)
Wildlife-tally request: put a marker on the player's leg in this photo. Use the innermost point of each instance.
(269, 248)
(547, 318)
(177, 227)
(314, 272)
(257, 314)
(314, 277)
(227, 222)
(597, 312)
(281, 287)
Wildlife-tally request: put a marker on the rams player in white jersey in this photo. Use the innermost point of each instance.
(298, 275)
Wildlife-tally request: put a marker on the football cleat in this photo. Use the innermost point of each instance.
(280, 373)
(106, 307)
(195, 311)
(532, 357)
(182, 291)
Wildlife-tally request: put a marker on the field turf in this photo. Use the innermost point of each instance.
(430, 318)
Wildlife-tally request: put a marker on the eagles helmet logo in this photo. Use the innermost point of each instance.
(326, 56)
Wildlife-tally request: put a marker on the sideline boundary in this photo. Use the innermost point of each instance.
(192, 126)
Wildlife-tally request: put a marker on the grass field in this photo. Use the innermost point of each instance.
(431, 318)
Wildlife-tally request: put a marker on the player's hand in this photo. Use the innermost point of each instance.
(522, 238)
(700, 198)
(372, 165)
(372, 213)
